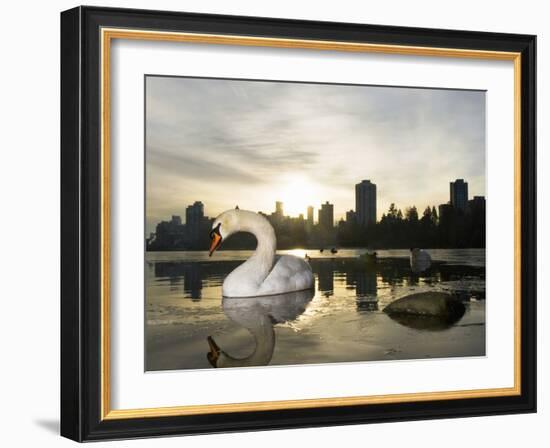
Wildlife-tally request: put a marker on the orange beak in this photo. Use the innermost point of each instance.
(216, 241)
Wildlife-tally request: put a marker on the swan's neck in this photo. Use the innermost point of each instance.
(246, 279)
(264, 337)
(262, 259)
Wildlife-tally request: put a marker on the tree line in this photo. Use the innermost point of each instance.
(453, 229)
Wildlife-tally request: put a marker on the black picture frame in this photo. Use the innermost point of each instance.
(81, 224)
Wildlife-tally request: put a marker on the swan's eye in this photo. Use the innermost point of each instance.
(216, 238)
(215, 231)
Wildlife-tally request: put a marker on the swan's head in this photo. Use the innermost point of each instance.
(233, 221)
(215, 352)
(218, 358)
(223, 226)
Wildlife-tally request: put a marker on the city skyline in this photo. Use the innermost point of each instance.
(460, 221)
(251, 144)
(459, 199)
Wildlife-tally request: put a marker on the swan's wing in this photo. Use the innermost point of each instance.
(288, 274)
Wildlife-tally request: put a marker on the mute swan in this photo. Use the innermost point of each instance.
(420, 260)
(263, 273)
(258, 315)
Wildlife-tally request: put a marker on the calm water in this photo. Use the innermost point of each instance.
(341, 321)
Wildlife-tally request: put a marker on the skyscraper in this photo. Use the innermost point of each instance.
(365, 202)
(326, 216)
(310, 216)
(459, 194)
(476, 205)
(351, 217)
(194, 218)
(279, 208)
(445, 213)
(194, 214)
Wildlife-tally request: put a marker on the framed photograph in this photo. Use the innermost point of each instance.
(273, 223)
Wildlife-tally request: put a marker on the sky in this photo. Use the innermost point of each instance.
(251, 143)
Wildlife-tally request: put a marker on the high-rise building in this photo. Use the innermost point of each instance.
(194, 214)
(476, 209)
(194, 218)
(351, 217)
(477, 204)
(477, 217)
(445, 213)
(459, 194)
(326, 216)
(310, 216)
(168, 233)
(279, 208)
(365, 203)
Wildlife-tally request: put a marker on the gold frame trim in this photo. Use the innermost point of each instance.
(107, 35)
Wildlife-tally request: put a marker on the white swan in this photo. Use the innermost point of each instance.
(420, 260)
(263, 273)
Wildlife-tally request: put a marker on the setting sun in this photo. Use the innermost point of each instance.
(297, 194)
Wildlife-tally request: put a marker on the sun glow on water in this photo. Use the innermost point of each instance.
(300, 253)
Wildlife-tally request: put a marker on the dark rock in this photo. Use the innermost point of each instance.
(426, 310)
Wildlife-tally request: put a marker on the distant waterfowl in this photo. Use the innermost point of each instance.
(420, 260)
(333, 250)
(263, 273)
(321, 250)
(370, 257)
(258, 315)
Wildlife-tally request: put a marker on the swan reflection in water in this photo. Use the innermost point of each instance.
(258, 315)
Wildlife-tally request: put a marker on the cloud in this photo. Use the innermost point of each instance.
(196, 164)
(229, 141)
